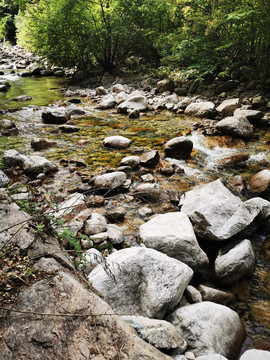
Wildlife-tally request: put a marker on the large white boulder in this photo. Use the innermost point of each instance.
(209, 328)
(227, 107)
(141, 281)
(255, 354)
(173, 235)
(235, 264)
(217, 214)
(237, 126)
(138, 102)
(95, 225)
(200, 109)
(110, 181)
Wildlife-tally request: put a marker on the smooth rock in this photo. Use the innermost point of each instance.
(42, 143)
(115, 215)
(253, 116)
(38, 164)
(165, 85)
(215, 295)
(159, 333)
(133, 161)
(110, 181)
(150, 159)
(54, 117)
(237, 126)
(134, 102)
(255, 354)
(209, 328)
(227, 107)
(115, 234)
(133, 277)
(173, 235)
(116, 142)
(235, 264)
(96, 224)
(107, 102)
(203, 109)
(68, 129)
(148, 192)
(260, 182)
(178, 148)
(12, 158)
(193, 295)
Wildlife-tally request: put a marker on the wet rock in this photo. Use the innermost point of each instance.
(38, 164)
(4, 180)
(9, 128)
(54, 117)
(12, 158)
(255, 354)
(141, 274)
(173, 235)
(110, 181)
(165, 85)
(22, 98)
(115, 215)
(95, 225)
(215, 295)
(42, 144)
(150, 159)
(159, 333)
(75, 101)
(68, 129)
(115, 234)
(235, 264)
(217, 329)
(237, 126)
(260, 182)
(201, 109)
(133, 161)
(107, 102)
(148, 192)
(133, 103)
(134, 114)
(178, 148)
(3, 88)
(36, 71)
(254, 116)
(233, 160)
(116, 142)
(227, 107)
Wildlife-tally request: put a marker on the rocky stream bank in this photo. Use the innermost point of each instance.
(154, 256)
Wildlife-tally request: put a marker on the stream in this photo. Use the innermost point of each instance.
(150, 131)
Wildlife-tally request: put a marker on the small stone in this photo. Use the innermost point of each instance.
(116, 142)
(150, 159)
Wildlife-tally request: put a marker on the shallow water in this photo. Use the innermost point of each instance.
(151, 131)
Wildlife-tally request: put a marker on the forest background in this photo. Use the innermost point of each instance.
(207, 38)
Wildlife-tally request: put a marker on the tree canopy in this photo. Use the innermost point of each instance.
(209, 36)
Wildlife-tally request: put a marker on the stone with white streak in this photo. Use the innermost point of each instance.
(237, 263)
(159, 333)
(173, 235)
(209, 328)
(141, 281)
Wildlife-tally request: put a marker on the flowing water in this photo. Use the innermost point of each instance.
(151, 131)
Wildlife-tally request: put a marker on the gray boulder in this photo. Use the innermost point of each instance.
(4, 180)
(38, 164)
(260, 182)
(237, 263)
(217, 214)
(115, 234)
(209, 328)
(200, 109)
(96, 224)
(134, 102)
(107, 102)
(173, 235)
(116, 142)
(12, 158)
(227, 107)
(178, 148)
(150, 159)
(110, 181)
(159, 333)
(148, 192)
(165, 85)
(237, 126)
(255, 354)
(133, 161)
(54, 117)
(254, 116)
(133, 277)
